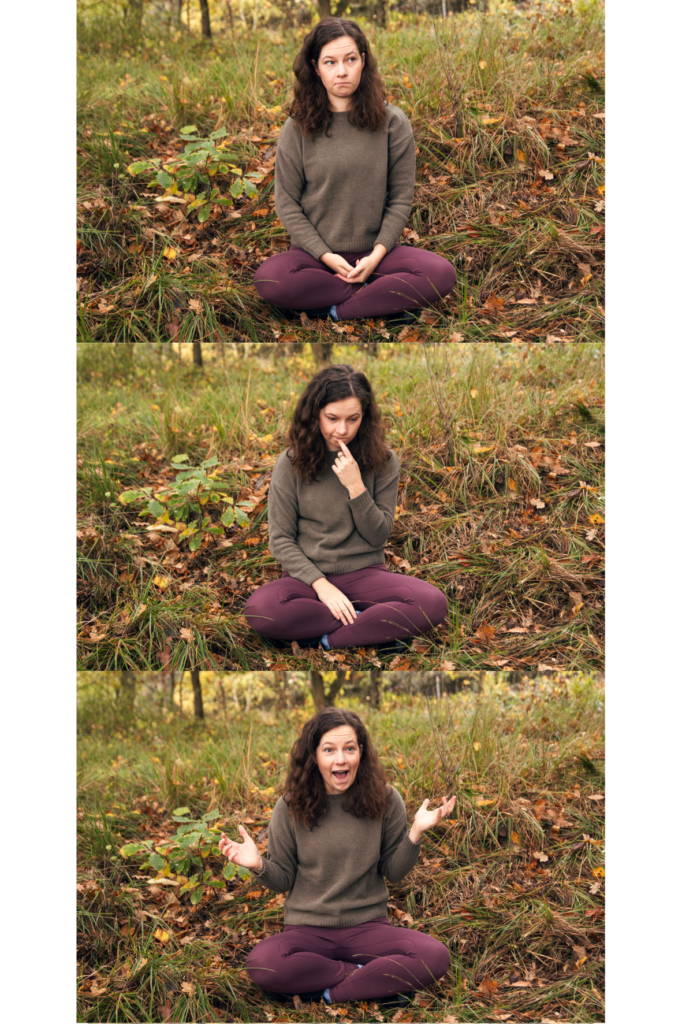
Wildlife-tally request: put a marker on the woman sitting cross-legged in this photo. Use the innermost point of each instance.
(331, 505)
(344, 182)
(338, 830)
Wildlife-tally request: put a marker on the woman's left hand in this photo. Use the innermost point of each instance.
(362, 269)
(425, 819)
(348, 471)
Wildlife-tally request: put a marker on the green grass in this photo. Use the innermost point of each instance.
(524, 762)
(494, 99)
(501, 501)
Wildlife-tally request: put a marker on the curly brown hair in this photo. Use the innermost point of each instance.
(310, 107)
(307, 446)
(304, 789)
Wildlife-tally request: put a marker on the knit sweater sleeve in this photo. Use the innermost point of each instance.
(373, 517)
(281, 864)
(289, 185)
(398, 853)
(402, 162)
(283, 525)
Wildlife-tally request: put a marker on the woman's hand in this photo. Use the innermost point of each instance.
(362, 269)
(427, 819)
(348, 472)
(336, 263)
(336, 601)
(245, 854)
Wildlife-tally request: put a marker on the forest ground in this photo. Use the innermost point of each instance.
(508, 115)
(514, 883)
(501, 502)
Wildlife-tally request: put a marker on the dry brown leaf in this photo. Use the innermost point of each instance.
(189, 988)
(485, 632)
(455, 336)
(488, 987)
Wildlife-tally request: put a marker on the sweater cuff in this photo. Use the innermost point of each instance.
(362, 501)
(387, 237)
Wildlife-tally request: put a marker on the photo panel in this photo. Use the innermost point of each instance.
(484, 549)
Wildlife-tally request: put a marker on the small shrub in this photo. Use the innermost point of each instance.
(194, 488)
(189, 848)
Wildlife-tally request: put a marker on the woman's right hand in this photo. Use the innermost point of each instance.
(336, 601)
(245, 854)
(337, 263)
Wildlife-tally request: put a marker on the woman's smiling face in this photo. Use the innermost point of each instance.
(340, 421)
(338, 758)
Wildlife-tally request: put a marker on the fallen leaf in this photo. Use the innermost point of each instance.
(546, 668)
(169, 253)
(536, 503)
(485, 632)
(161, 582)
(476, 745)
(189, 988)
(493, 304)
(515, 838)
(96, 990)
(539, 855)
(520, 156)
(186, 634)
(511, 484)
(161, 935)
(448, 666)
(488, 987)
(595, 796)
(455, 336)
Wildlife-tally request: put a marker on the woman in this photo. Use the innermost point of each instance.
(331, 505)
(335, 834)
(344, 180)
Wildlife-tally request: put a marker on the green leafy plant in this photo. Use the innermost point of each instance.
(194, 488)
(183, 857)
(191, 177)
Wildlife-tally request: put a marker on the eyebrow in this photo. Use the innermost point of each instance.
(348, 53)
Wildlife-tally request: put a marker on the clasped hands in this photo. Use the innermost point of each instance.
(352, 274)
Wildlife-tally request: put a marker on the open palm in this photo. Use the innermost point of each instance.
(245, 854)
(425, 819)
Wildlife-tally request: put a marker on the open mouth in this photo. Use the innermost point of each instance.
(340, 776)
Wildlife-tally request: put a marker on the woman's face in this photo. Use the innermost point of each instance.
(338, 758)
(340, 421)
(340, 67)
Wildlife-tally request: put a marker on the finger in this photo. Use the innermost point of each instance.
(426, 803)
(344, 449)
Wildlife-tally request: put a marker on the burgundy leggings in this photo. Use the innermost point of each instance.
(406, 278)
(392, 605)
(303, 958)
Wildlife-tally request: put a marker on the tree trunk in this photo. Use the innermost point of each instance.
(325, 8)
(198, 699)
(317, 689)
(375, 687)
(176, 13)
(126, 693)
(205, 19)
(135, 8)
(322, 351)
(381, 13)
(341, 680)
(228, 8)
(170, 689)
(197, 357)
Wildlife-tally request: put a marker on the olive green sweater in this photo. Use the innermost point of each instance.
(335, 874)
(316, 529)
(348, 191)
